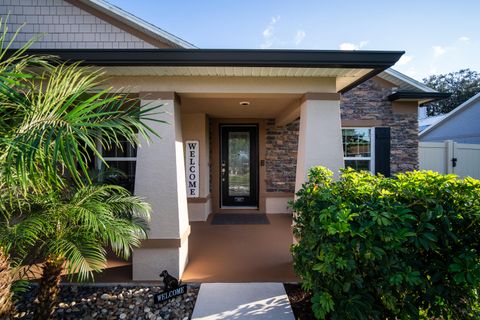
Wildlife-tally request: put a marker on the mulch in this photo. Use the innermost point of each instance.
(300, 301)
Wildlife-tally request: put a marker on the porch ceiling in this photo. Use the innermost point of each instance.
(261, 106)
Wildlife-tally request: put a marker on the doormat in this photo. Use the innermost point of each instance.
(240, 218)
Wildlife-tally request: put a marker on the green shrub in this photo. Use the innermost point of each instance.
(371, 247)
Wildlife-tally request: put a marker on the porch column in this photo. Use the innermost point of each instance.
(160, 179)
(320, 135)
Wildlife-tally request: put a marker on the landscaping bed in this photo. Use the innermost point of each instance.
(113, 302)
(300, 301)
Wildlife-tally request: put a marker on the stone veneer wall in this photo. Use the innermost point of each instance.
(281, 156)
(368, 101)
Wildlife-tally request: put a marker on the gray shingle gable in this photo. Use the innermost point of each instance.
(64, 26)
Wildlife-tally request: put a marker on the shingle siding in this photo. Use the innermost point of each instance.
(63, 26)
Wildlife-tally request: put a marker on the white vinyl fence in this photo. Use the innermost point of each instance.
(450, 157)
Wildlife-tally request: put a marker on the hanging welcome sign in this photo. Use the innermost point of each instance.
(192, 168)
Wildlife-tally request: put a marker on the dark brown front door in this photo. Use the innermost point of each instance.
(239, 165)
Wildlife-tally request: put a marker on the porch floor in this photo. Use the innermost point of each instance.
(241, 253)
(228, 253)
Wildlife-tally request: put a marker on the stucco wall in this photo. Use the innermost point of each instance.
(64, 26)
(195, 126)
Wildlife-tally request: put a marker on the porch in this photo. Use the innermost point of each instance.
(228, 253)
(241, 253)
(219, 110)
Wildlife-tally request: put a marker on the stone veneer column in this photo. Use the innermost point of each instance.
(160, 179)
(320, 135)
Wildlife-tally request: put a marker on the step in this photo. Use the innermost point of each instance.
(259, 301)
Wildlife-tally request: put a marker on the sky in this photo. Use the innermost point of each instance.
(437, 36)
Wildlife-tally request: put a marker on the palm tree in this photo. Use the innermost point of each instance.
(13, 76)
(51, 119)
(5, 286)
(77, 226)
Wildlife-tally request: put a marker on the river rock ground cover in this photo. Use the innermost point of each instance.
(113, 302)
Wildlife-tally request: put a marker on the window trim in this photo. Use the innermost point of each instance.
(106, 159)
(100, 163)
(372, 148)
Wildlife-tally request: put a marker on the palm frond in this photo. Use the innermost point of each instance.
(83, 256)
(64, 120)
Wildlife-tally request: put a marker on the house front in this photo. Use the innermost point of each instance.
(240, 128)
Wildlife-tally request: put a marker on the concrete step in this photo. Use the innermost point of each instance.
(259, 301)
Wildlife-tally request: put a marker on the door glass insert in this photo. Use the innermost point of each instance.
(239, 164)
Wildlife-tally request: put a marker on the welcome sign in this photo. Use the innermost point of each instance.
(192, 168)
(167, 295)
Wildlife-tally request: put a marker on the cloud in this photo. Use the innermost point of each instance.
(269, 33)
(438, 51)
(404, 60)
(299, 36)
(464, 39)
(352, 46)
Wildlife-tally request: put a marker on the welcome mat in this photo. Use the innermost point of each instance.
(240, 218)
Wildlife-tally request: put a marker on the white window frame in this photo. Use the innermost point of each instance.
(372, 148)
(100, 163)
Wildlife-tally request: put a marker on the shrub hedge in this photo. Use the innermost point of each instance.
(371, 247)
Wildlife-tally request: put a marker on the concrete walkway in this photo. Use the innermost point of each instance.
(259, 301)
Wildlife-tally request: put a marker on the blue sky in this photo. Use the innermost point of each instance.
(438, 36)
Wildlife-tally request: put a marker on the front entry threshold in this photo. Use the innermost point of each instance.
(240, 208)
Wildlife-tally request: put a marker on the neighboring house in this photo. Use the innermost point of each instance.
(452, 144)
(461, 125)
(424, 123)
(244, 126)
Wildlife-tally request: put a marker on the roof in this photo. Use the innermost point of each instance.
(135, 22)
(354, 67)
(404, 82)
(422, 97)
(427, 122)
(409, 89)
(470, 102)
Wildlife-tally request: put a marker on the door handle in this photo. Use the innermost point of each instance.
(454, 162)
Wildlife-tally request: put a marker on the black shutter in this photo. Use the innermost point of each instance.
(382, 151)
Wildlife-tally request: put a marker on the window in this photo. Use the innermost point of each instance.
(358, 146)
(121, 162)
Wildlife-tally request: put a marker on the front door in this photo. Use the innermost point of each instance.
(239, 165)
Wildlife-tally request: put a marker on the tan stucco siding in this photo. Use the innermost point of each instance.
(196, 127)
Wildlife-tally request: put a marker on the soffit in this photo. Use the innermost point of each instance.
(344, 77)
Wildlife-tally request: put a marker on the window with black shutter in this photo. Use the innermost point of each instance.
(358, 148)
